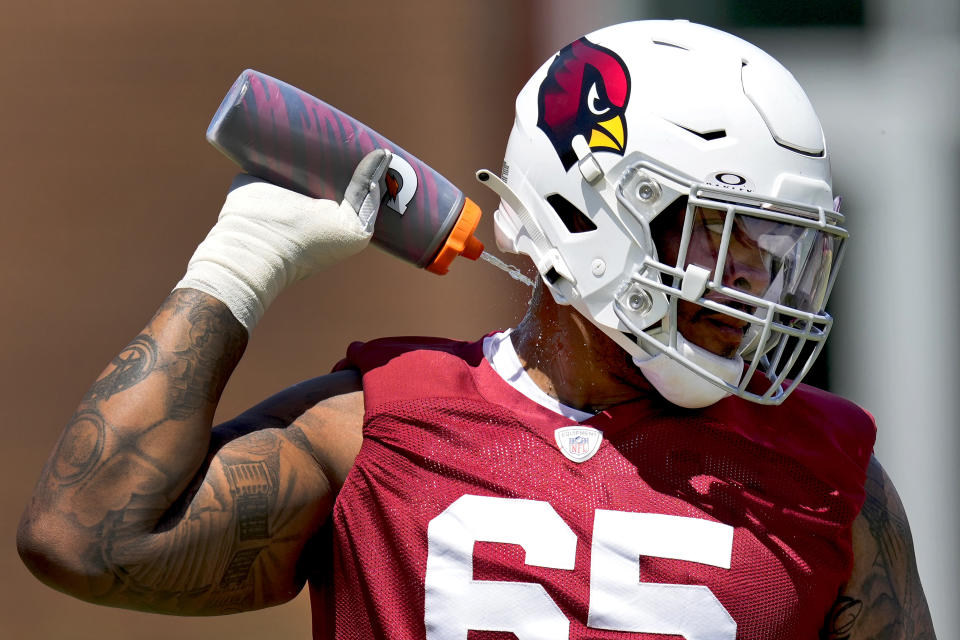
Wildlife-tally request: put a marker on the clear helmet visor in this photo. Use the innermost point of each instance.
(781, 262)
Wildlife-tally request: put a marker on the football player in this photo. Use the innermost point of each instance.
(637, 459)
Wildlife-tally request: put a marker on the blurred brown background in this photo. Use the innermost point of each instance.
(107, 185)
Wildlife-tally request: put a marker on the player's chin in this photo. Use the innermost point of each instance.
(719, 333)
(717, 337)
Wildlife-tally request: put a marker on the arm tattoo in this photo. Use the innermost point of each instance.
(252, 489)
(194, 375)
(79, 449)
(235, 578)
(136, 443)
(841, 619)
(197, 375)
(161, 514)
(132, 365)
(231, 545)
(888, 583)
(887, 599)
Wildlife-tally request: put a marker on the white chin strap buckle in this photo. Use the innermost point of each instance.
(588, 165)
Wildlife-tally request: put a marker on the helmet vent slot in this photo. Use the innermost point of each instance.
(552, 275)
(716, 134)
(670, 44)
(573, 219)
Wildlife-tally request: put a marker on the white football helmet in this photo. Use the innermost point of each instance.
(631, 119)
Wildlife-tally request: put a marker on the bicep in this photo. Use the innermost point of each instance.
(236, 540)
(884, 597)
(236, 544)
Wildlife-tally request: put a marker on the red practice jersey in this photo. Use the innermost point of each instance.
(463, 517)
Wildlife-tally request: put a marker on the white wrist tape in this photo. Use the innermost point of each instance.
(268, 237)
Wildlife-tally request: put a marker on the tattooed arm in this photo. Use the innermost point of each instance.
(883, 598)
(141, 505)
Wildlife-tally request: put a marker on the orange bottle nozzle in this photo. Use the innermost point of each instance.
(461, 240)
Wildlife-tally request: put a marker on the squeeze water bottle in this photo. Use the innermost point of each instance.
(292, 139)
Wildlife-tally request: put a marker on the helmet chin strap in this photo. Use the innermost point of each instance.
(682, 386)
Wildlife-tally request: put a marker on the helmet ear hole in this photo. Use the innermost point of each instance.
(552, 276)
(573, 219)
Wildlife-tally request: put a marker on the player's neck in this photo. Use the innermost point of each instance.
(572, 360)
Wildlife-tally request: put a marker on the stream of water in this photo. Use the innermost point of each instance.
(511, 270)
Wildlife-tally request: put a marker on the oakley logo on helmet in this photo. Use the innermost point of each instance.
(585, 93)
(729, 180)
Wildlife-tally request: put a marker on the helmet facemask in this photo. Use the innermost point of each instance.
(745, 277)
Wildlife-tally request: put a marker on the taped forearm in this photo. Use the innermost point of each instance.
(268, 237)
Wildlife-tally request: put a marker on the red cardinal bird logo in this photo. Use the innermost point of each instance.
(585, 93)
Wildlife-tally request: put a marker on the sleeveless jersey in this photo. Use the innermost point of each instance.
(462, 518)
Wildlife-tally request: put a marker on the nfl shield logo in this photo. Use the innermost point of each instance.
(578, 443)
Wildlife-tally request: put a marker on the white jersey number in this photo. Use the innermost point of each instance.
(456, 603)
